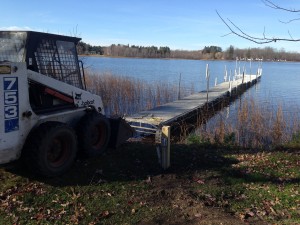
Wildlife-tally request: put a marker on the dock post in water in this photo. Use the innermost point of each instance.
(230, 86)
(179, 86)
(207, 81)
(225, 74)
(250, 69)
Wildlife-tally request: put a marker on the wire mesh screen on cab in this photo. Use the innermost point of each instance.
(57, 59)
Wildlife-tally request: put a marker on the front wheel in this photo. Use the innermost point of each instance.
(50, 149)
(93, 134)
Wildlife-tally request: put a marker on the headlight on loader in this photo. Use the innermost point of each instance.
(5, 69)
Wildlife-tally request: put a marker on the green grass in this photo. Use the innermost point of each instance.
(127, 186)
(262, 185)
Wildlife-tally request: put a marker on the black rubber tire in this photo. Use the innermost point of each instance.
(93, 133)
(50, 149)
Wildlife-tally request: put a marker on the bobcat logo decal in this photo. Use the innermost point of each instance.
(78, 96)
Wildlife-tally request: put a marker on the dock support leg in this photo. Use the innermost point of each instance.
(163, 146)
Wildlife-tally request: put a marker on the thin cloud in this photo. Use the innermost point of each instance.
(15, 28)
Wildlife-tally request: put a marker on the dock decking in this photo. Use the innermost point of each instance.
(148, 122)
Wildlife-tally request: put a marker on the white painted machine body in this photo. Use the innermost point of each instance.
(17, 118)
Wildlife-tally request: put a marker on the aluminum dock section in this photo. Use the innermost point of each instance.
(148, 122)
(162, 120)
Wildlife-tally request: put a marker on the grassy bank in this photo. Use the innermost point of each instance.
(205, 185)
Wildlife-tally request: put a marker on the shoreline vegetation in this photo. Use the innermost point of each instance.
(124, 57)
(207, 53)
(254, 126)
(126, 95)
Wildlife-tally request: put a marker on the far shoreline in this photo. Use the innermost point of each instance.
(124, 57)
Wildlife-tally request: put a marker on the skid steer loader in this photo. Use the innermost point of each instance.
(46, 113)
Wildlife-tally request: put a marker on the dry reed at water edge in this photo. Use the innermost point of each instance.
(126, 95)
(254, 126)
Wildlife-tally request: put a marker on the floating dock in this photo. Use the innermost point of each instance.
(148, 122)
(162, 120)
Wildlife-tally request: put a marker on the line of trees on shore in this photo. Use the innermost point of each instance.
(207, 53)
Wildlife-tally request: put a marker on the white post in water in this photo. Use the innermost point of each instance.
(235, 69)
(179, 84)
(225, 74)
(216, 81)
(250, 69)
(207, 75)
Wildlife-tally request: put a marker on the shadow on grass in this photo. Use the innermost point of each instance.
(137, 161)
(133, 161)
(259, 178)
(268, 172)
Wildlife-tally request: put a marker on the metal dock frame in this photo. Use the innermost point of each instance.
(160, 120)
(162, 140)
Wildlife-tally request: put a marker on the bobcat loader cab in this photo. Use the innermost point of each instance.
(46, 114)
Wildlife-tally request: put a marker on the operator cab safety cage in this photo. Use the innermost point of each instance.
(49, 54)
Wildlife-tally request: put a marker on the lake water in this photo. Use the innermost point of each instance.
(279, 85)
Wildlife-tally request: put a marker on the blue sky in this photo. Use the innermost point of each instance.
(179, 24)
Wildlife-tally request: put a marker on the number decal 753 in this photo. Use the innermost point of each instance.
(11, 104)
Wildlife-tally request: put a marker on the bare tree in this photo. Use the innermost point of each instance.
(234, 29)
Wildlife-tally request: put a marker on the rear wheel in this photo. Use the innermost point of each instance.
(93, 134)
(51, 149)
